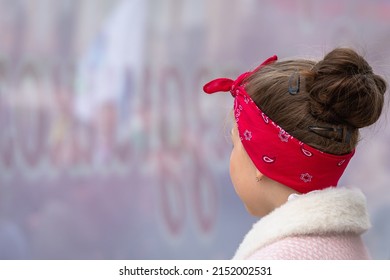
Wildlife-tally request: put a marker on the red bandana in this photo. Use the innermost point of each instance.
(274, 152)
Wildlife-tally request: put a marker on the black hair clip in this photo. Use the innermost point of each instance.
(294, 89)
(339, 134)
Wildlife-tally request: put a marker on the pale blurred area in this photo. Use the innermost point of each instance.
(110, 150)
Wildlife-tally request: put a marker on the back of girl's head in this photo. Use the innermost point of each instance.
(336, 96)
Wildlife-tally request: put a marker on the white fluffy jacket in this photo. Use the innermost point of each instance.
(324, 224)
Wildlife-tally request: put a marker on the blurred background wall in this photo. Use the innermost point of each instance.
(110, 150)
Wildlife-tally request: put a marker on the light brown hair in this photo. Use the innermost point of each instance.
(337, 96)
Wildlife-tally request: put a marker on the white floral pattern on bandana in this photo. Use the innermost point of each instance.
(341, 162)
(306, 177)
(248, 135)
(284, 136)
(265, 118)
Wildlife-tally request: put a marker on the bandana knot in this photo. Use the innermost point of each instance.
(226, 84)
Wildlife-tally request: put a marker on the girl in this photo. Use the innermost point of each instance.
(297, 126)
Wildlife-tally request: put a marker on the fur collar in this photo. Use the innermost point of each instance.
(333, 210)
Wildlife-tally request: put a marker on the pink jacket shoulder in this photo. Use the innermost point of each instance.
(327, 247)
(326, 224)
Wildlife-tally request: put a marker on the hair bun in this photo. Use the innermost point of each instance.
(344, 90)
